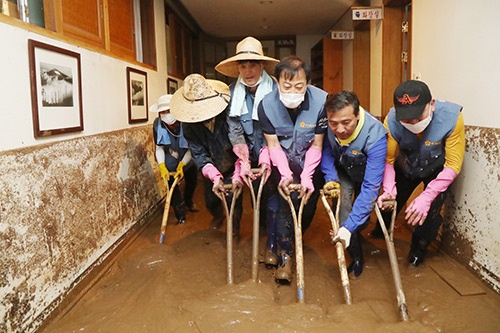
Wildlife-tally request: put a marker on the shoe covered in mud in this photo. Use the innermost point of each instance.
(356, 266)
(284, 270)
(270, 259)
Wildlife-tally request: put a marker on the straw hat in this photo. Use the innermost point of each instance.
(248, 49)
(163, 104)
(199, 99)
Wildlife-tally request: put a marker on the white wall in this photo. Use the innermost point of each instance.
(103, 81)
(456, 48)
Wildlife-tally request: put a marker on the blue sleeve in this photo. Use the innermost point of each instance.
(328, 163)
(363, 204)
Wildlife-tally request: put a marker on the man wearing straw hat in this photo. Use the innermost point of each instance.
(251, 67)
(172, 154)
(199, 104)
(294, 123)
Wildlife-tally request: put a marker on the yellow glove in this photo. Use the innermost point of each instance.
(164, 172)
(180, 170)
(331, 189)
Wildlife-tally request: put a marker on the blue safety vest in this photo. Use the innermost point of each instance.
(164, 138)
(352, 158)
(420, 158)
(295, 139)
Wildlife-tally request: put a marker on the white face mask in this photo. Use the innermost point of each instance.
(253, 85)
(420, 126)
(291, 101)
(168, 119)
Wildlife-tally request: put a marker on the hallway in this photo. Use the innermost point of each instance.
(180, 286)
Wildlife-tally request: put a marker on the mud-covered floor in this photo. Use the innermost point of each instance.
(180, 286)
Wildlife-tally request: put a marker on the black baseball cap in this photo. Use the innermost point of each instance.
(410, 99)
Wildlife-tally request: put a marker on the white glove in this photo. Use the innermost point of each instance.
(344, 236)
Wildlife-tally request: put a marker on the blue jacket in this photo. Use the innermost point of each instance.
(362, 161)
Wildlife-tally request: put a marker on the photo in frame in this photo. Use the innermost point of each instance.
(137, 95)
(172, 86)
(56, 89)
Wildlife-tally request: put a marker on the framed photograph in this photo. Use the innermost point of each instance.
(137, 92)
(171, 85)
(56, 89)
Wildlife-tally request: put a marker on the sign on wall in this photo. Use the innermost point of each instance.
(367, 13)
(342, 34)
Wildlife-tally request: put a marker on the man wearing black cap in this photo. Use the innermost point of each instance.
(426, 144)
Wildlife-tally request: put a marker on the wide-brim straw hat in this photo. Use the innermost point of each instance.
(199, 99)
(247, 49)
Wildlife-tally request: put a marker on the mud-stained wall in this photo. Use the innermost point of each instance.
(62, 206)
(472, 230)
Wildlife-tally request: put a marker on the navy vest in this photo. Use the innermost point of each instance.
(420, 158)
(169, 142)
(352, 158)
(295, 139)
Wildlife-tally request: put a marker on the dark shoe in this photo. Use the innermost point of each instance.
(356, 266)
(284, 271)
(418, 251)
(216, 222)
(182, 220)
(192, 208)
(270, 259)
(416, 257)
(377, 232)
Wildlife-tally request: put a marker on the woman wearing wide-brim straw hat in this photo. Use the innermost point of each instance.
(200, 105)
(253, 69)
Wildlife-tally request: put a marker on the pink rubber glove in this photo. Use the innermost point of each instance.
(311, 161)
(210, 171)
(236, 178)
(416, 213)
(264, 163)
(241, 150)
(280, 161)
(388, 185)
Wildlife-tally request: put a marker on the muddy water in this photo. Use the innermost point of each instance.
(180, 286)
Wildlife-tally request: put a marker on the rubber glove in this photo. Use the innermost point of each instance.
(241, 150)
(210, 171)
(164, 173)
(236, 178)
(280, 161)
(180, 170)
(264, 163)
(311, 161)
(344, 236)
(416, 213)
(331, 189)
(389, 187)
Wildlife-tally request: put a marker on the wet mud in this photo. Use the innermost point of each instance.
(180, 286)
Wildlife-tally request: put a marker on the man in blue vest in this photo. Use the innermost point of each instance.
(294, 124)
(353, 159)
(250, 66)
(426, 144)
(200, 104)
(172, 154)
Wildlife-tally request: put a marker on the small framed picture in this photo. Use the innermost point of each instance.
(171, 85)
(137, 92)
(56, 89)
